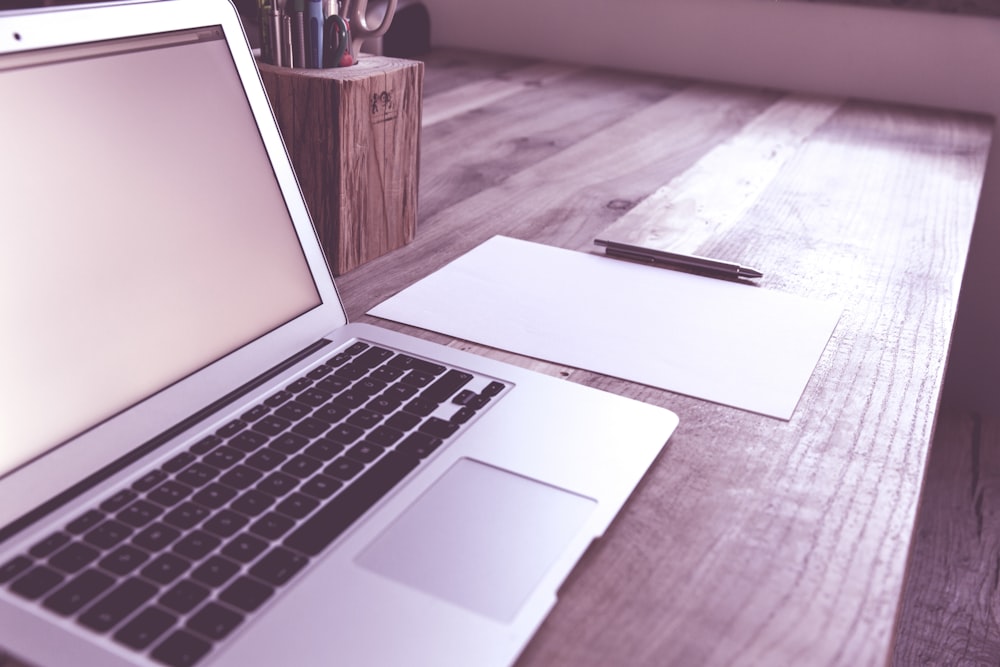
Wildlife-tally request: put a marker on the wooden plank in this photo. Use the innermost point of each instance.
(952, 600)
(567, 197)
(713, 195)
(480, 93)
(511, 133)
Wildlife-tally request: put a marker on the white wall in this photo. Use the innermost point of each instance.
(882, 54)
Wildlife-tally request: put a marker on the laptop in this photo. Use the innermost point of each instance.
(202, 461)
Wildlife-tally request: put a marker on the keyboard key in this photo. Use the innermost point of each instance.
(278, 566)
(445, 386)
(293, 411)
(343, 468)
(300, 384)
(271, 425)
(196, 545)
(313, 397)
(169, 493)
(156, 537)
(240, 477)
(186, 515)
(214, 495)
(14, 567)
(116, 605)
(85, 522)
(365, 452)
(266, 459)
(215, 571)
(402, 421)
(214, 621)
(49, 545)
(417, 379)
(139, 513)
(384, 436)
(351, 399)
(36, 582)
(248, 441)
(289, 443)
(421, 407)
(419, 444)
(386, 374)
(324, 449)
(223, 457)
(493, 389)
(311, 427)
(184, 596)
(327, 523)
(108, 534)
(253, 502)
(198, 475)
(276, 399)
(225, 523)
(301, 466)
(147, 626)
(438, 428)
(255, 413)
(231, 429)
(78, 592)
(123, 560)
(320, 372)
(181, 649)
(332, 413)
(321, 486)
(73, 557)
(271, 526)
(297, 505)
(178, 462)
(246, 594)
(119, 500)
(277, 484)
(365, 419)
(406, 362)
(206, 444)
(165, 568)
(244, 548)
(333, 384)
(149, 480)
(345, 434)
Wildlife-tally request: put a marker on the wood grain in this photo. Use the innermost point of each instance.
(751, 541)
(353, 135)
(951, 605)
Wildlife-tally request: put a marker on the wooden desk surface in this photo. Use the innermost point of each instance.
(751, 540)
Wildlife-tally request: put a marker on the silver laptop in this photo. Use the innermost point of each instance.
(201, 461)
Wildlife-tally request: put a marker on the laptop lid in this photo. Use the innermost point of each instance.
(147, 268)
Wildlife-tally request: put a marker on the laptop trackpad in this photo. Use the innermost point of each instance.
(480, 537)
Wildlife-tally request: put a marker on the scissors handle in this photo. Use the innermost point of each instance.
(357, 15)
(336, 39)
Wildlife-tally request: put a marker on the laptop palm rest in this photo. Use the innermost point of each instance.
(464, 539)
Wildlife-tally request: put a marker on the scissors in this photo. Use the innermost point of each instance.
(336, 40)
(356, 12)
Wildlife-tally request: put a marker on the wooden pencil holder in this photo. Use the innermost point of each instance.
(353, 135)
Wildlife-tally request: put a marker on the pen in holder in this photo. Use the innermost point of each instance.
(315, 34)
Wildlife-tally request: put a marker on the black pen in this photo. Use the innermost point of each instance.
(673, 260)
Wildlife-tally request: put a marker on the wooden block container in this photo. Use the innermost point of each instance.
(353, 134)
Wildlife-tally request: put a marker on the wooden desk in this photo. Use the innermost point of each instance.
(751, 540)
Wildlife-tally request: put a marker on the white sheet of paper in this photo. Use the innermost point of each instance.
(742, 346)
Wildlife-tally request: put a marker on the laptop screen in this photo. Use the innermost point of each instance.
(142, 236)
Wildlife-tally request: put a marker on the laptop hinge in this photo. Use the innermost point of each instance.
(151, 445)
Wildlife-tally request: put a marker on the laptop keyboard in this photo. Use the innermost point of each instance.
(177, 560)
